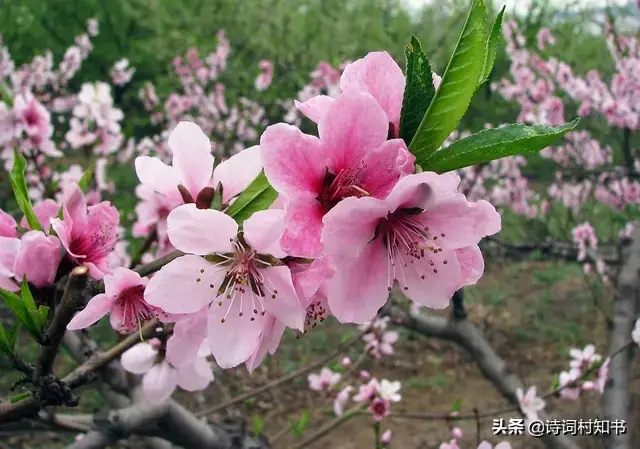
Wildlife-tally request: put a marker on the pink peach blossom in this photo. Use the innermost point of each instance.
(423, 235)
(9, 248)
(237, 275)
(38, 258)
(352, 157)
(123, 299)
(323, 381)
(88, 234)
(45, 210)
(160, 378)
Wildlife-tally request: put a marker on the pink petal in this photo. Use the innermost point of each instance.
(423, 190)
(359, 287)
(379, 75)
(99, 269)
(201, 231)
(9, 248)
(154, 173)
(95, 309)
(75, 208)
(188, 335)
(191, 156)
(159, 383)
(307, 278)
(122, 279)
(196, 376)
(7, 225)
(437, 288)
(293, 162)
(63, 230)
(139, 359)
(303, 220)
(315, 108)
(233, 341)
(463, 223)
(236, 173)
(166, 289)
(45, 211)
(269, 341)
(471, 264)
(351, 225)
(382, 171)
(263, 231)
(354, 125)
(286, 306)
(39, 258)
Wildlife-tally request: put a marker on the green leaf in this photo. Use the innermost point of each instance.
(13, 334)
(15, 304)
(455, 407)
(19, 397)
(492, 48)
(457, 87)
(419, 90)
(496, 143)
(257, 425)
(19, 185)
(258, 196)
(303, 423)
(5, 342)
(27, 297)
(87, 176)
(32, 319)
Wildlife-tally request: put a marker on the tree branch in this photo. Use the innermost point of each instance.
(616, 398)
(80, 376)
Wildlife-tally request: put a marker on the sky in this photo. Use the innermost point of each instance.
(523, 5)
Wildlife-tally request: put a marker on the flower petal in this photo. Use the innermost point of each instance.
(122, 279)
(315, 108)
(382, 170)
(471, 264)
(154, 173)
(286, 305)
(440, 282)
(354, 125)
(166, 289)
(188, 335)
(233, 341)
(195, 376)
(159, 383)
(192, 156)
(303, 221)
(139, 359)
(236, 173)
(462, 223)
(9, 248)
(201, 231)
(263, 231)
(379, 75)
(359, 286)
(293, 162)
(95, 309)
(351, 225)
(269, 341)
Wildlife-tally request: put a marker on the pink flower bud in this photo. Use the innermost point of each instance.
(364, 375)
(386, 438)
(456, 433)
(346, 362)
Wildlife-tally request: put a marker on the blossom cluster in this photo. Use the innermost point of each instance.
(587, 372)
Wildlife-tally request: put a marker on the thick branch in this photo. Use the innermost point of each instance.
(492, 366)
(616, 397)
(64, 313)
(172, 422)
